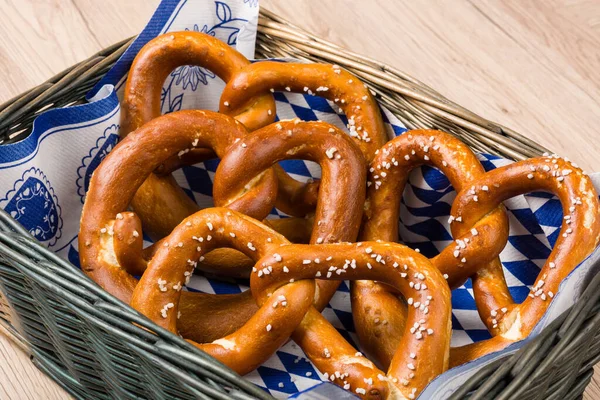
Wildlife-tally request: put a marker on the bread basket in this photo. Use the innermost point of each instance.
(94, 346)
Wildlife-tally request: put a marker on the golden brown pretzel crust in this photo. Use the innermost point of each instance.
(334, 220)
(341, 193)
(325, 80)
(343, 177)
(160, 56)
(160, 203)
(423, 351)
(224, 261)
(579, 236)
(158, 293)
(114, 183)
(388, 175)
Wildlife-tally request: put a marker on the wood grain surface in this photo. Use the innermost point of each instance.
(531, 65)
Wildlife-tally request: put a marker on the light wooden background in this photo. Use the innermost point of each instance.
(531, 65)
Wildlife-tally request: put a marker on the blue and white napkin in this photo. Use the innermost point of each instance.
(44, 178)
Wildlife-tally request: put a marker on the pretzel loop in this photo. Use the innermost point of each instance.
(423, 351)
(579, 235)
(343, 177)
(115, 182)
(141, 103)
(328, 81)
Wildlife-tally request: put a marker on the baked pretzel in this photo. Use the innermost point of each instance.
(158, 293)
(115, 182)
(329, 81)
(423, 351)
(579, 235)
(473, 250)
(160, 202)
(341, 194)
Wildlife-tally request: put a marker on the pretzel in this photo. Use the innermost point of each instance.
(117, 179)
(423, 351)
(160, 56)
(158, 293)
(325, 80)
(341, 162)
(388, 174)
(142, 103)
(341, 193)
(578, 237)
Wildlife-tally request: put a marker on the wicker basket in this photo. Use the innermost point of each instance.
(94, 346)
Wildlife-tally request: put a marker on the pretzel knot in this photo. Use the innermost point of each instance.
(159, 291)
(344, 89)
(423, 351)
(474, 248)
(110, 239)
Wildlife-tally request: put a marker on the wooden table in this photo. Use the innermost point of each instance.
(531, 65)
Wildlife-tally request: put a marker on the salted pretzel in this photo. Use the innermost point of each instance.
(108, 235)
(341, 193)
(142, 102)
(160, 202)
(163, 54)
(473, 249)
(578, 237)
(158, 293)
(423, 351)
(329, 81)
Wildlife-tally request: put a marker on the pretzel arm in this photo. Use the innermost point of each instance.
(423, 351)
(579, 234)
(493, 294)
(128, 243)
(380, 332)
(293, 197)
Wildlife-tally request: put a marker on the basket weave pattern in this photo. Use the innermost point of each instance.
(94, 346)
